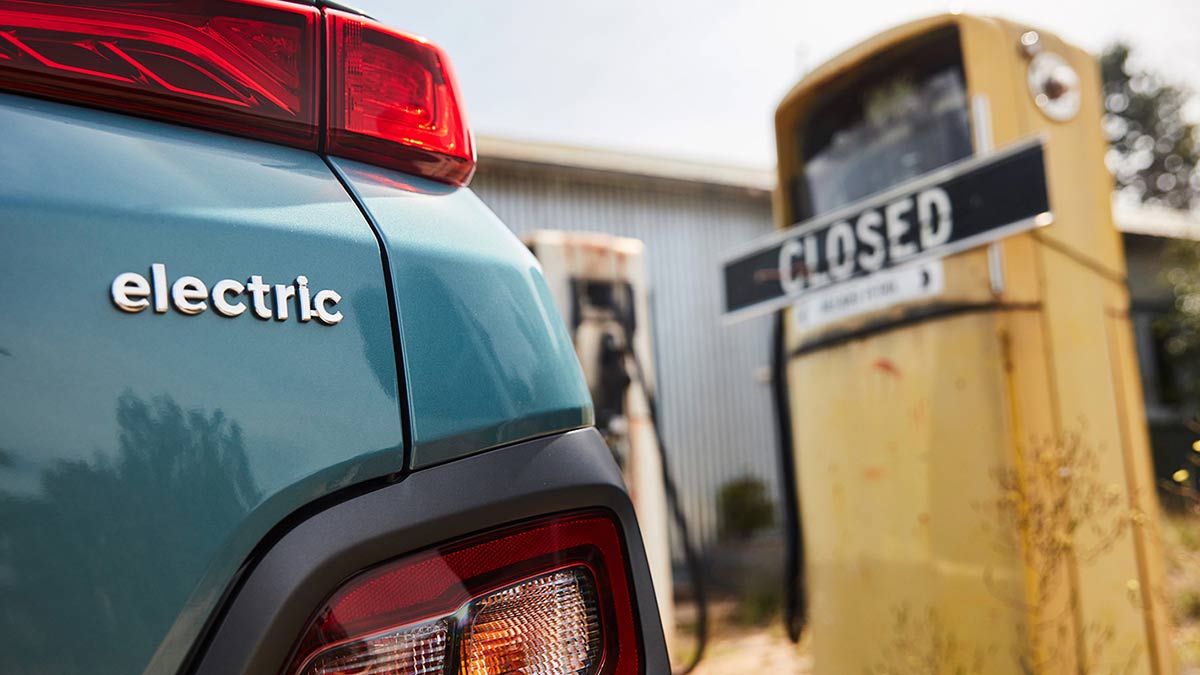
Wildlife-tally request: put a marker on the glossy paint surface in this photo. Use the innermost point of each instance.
(487, 356)
(143, 456)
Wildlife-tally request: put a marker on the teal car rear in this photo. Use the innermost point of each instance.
(278, 393)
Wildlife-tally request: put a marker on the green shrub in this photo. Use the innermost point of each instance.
(744, 508)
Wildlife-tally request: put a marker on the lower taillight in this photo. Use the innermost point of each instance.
(254, 68)
(548, 598)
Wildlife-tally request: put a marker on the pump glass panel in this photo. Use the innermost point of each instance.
(903, 115)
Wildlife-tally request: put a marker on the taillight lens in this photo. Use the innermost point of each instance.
(546, 598)
(248, 67)
(242, 66)
(393, 101)
(548, 624)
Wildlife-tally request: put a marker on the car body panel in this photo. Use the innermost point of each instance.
(145, 455)
(487, 356)
(147, 459)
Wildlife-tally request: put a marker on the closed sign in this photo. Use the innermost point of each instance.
(950, 210)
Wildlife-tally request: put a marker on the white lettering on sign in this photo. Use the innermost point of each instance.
(950, 210)
(869, 294)
(892, 233)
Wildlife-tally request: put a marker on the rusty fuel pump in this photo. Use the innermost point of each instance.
(599, 284)
(967, 448)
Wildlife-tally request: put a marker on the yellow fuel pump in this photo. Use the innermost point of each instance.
(967, 434)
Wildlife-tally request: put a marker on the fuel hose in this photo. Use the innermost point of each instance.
(690, 557)
(795, 602)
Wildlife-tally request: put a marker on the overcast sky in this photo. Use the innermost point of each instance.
(700, 79)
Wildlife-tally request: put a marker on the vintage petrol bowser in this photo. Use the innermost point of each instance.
(598, 282)
(968, 442)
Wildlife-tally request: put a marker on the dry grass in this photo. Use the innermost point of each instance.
(737, 648)
(1182, 545)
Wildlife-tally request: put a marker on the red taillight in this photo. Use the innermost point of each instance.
(242, 66)
(388, 90)
(248, 67)
(550, 597)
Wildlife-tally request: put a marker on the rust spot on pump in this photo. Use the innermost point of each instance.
(886, 366)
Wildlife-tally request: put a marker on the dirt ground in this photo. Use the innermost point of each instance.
(735, 648)
(763, 652)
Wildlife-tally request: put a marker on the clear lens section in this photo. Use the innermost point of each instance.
(411, 650)
(549, 626)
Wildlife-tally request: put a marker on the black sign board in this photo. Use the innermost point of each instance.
(953, 209)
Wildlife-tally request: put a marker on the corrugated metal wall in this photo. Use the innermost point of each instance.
(714, 398)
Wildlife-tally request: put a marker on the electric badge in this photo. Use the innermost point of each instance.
(133, 292)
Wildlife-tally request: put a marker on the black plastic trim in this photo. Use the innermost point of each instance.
(202, 643)
(566, 472)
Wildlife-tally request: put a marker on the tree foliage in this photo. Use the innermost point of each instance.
(1154, 155)
(1180, 328)
(1155, 149)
